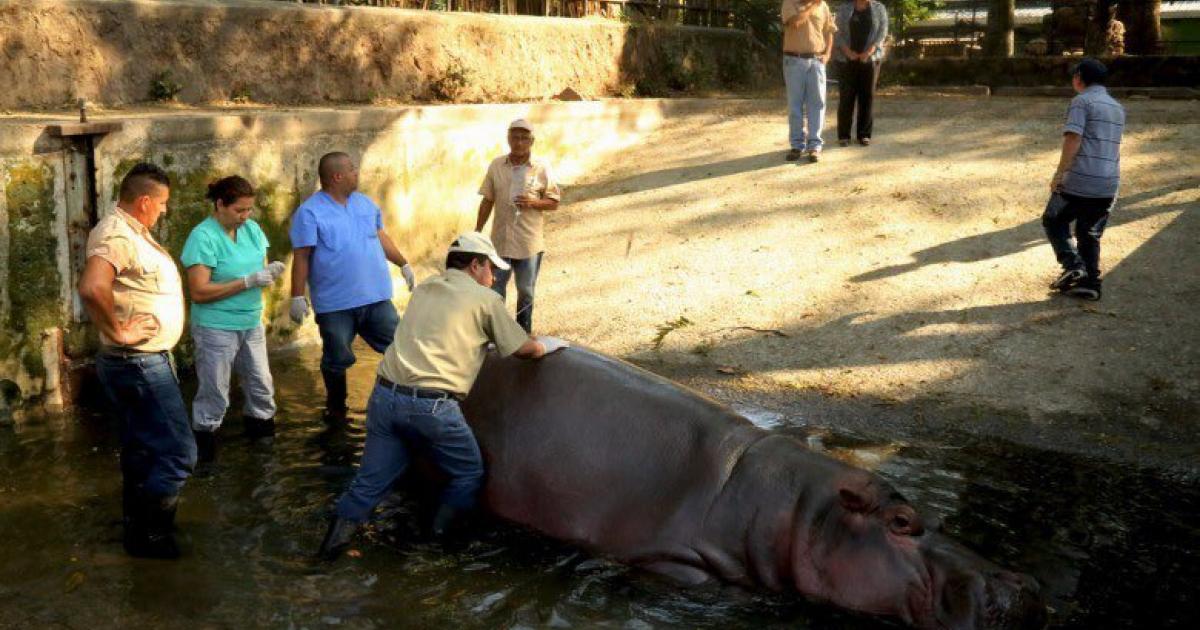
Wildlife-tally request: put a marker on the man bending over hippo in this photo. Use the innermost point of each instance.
(434, 358)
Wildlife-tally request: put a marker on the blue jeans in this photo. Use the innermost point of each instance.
(158, 451)
(394, 422)
(805, 82)
(526, 271)
(375, 323)
(1090, 216)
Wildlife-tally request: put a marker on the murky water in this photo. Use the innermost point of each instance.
(1115, 547)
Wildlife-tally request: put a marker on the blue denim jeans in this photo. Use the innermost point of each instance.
(805, 82)
(396, 421)
(526, 272)
(158, 451)
(1090, 216)
(375, 323)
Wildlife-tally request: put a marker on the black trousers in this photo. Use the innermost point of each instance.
(856, 86)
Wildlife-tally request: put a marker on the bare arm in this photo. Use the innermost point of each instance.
(828, 48)
(391, 251)
(300, 260)
(531, 349)
(546, 204)
(1070, 148)
(485, 212)
(203, 290)
(95, 289)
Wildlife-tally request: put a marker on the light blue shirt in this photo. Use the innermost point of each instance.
(347, 268)
(209, 245)
(1099, 120)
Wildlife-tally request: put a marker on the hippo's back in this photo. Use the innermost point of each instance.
(593, 450)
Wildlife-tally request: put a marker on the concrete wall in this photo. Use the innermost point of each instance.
(1038, 71)
(113, 52)
(422, 164)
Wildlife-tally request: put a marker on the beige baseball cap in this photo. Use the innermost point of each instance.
(476, 243)
(521, 123)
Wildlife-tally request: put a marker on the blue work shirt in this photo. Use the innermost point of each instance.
(347, 268)
(1099, 120)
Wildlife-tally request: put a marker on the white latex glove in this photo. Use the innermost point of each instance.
(409, 278)
(553, 344)
(298, 309)
(276, 269)
(260, 278)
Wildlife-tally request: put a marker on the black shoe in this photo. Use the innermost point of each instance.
(793, 155)
(149, 531)
(335, 397)
(337, 538)
(259, 427)
(814, 156)
(1067, 279)
(206, 446)
(1085, 291)
(866, 142)
(843, 142)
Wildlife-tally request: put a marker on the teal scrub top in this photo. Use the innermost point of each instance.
(209, 245)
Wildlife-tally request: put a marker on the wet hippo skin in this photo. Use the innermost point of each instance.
(594, 451)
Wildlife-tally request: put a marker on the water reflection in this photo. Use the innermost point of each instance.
(1115, 547)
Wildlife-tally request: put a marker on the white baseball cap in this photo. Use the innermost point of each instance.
(521, 123)
(476, 243)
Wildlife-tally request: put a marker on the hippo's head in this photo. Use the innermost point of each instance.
(871, 551)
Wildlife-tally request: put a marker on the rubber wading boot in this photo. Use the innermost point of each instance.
(259, 427)
(443, 520)
(206, 446)
(335, 396)
(151, 535)
(337, 538)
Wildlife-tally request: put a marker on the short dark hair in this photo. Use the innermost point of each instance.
(325, 166)
(1090, 71)
(229, 189)
(141, 180)
(462, 260)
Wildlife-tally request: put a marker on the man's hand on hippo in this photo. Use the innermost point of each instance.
(552, 344)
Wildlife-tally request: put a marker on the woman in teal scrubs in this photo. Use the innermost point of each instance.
(225, 256)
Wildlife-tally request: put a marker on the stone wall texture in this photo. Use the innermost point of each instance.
(1038, 71)
(118, 52)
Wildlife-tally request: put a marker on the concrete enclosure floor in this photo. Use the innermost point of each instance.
(911, 271)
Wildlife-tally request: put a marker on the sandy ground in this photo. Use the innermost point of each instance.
(911, 274)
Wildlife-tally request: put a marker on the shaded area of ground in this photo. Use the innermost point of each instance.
(911, 273)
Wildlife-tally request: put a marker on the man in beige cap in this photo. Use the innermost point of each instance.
(437, 352)
(520, 189)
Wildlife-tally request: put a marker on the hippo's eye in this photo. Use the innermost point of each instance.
(905, 525)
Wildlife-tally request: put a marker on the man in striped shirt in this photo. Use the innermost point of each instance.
(1085, 185)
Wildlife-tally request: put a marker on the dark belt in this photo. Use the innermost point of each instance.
(126, 353)
(419, 392)
(801, 55)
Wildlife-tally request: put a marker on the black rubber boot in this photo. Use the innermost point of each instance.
(151, 532)
(259, 427)
(337, 538)
(443, 520)
(206, 446)
(335, 396)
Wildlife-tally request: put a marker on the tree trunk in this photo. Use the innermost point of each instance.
(1143, 31)
(1000, 21)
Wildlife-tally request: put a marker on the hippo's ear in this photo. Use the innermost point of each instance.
(854, 501)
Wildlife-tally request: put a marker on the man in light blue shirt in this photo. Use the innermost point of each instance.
(1084, 188)
(340, 252)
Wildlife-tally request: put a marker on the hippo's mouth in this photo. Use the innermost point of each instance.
(1002, 600)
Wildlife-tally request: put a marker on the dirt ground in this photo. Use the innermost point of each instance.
(907, 279)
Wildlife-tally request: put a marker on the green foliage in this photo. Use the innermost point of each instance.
(452, 83)
(163, 87)
(667, 328)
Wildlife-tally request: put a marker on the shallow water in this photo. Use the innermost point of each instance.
(1114, 547)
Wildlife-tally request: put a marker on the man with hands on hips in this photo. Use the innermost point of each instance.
(340, 252)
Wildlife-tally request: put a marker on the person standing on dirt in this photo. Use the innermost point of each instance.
(808, 29)
(132, 291)
(340, 253)
(438, 350)
(862, 25)
(521, 190)
(1084, 188)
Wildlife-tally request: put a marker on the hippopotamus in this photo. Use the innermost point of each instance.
(604, 455)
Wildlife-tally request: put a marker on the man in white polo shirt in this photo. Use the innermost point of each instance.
(435, 355)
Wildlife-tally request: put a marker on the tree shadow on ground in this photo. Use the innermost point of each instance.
(1018, 238)
(662, 178)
